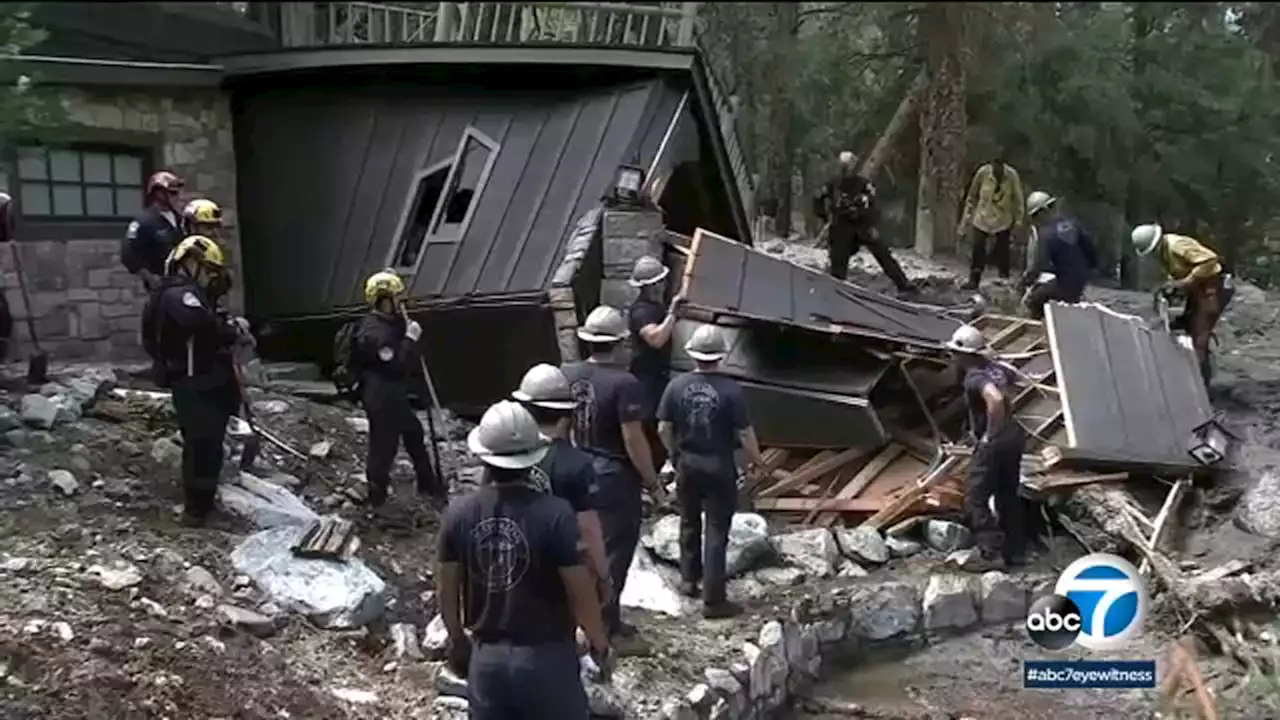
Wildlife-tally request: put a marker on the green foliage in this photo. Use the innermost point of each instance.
(25, 107)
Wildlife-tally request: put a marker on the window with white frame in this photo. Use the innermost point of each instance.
(67, 184)
(443, 199)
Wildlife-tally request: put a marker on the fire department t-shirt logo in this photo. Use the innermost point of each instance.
(501, 552)
(539, 479)
(584, 394)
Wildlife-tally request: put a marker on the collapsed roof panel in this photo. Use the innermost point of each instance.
(1130, 395)
(724, 276)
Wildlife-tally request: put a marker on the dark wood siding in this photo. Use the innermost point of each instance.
(324, 176)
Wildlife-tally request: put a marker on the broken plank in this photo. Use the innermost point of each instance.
(822, 505)
(1060, 482)
(865, 476)
(1163, 518)
(788, 480)
(1226, 570)
(896, 508)
(839, 480)
(773, 459)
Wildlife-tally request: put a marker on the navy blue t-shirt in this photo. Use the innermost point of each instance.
(567, 473)
(707, 411)
(512, 542)
(608, 397)
(648, 364)
(976, 379)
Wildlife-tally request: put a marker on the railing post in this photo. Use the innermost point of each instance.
(444, 22)
(298, 24)
(688, 14)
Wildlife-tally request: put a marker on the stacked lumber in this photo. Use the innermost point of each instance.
(329, 538)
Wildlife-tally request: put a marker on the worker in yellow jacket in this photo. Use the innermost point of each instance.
(993, 209)
(1196, 273)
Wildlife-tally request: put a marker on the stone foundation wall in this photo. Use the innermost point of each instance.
(563, 300)
(628, 235)
(790, 653)
(84, 303)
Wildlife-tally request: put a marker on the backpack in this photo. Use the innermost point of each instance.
(343, 376)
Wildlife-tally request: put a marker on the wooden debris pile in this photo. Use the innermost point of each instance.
(329, 538)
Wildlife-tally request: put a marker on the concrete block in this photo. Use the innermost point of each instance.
(100, 278)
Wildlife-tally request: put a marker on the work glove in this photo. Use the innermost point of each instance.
(459, 656)
(603, 658)
(676, 302)
(413, 330)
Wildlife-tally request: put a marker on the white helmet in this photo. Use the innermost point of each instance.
(967, 339)
(1039, 200)
(647, 271)
(508, 437)
(604, 325)
(1146, 238)
(545, 386)
(707, 344)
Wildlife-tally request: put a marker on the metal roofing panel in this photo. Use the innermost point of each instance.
(1130, 394)
(740, 280)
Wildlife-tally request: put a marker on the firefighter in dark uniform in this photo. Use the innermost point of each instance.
(848, 201)
(155, 233)
(703, 421)
(193, 341)
(566, 471)
(385, 357)
(511, 574)
(609, 425)
(651, 322)
(995, 470)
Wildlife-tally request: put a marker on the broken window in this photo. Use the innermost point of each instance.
(442, 200)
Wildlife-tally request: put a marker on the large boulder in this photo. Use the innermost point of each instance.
(1259, 510)
(265, 504)
(815, 550)
(748, 541)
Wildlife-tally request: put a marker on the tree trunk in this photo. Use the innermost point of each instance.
(942, 127)
(787, 18)
(906, 111)
(1137, 209)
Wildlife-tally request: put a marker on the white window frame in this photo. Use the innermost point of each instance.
(433, 237)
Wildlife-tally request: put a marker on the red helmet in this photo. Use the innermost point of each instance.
(164, 180)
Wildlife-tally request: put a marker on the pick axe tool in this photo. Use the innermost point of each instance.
(436, 409)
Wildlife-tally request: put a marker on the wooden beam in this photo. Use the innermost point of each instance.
(810, 504)
(782, 483)
(865, 477)
(813, 470)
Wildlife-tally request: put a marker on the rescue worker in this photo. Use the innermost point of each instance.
(608, 424)
(193, 345)
(1060, 248)
(995, 470)
(1196, 273)
(651, 324)
(703, 420)
(566, 471)
(848, 203)
(993, 209)
(384, 356)
(153, 235)
(202, 217)
(510, 573)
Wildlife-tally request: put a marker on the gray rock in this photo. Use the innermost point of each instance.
(435, 639)
(815, 550)
(359, 424)
(902, 547)
(946, 536)
(863, 543)
(64, 481)
(678, 709)
(202, 582)
(271, 407)
(9, 420)
(851, 569)
(68, 409)
(166, 452)
(320, 450)
(748, 541)
(883, 611)
(1258, 511)
(449, 684)
(254, 623)
(39, 411)
(604, 701)
(404, 641)
(450, 707)
(701, 698)
(780, 577)
(949, 602)
(17, 437)
(1002, 598)
(117, 575)
(769, 666)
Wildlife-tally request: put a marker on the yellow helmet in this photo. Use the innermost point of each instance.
(204, 249)
(203, 212)
(384, 282)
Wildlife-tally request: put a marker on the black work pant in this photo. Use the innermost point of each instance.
(391, 420)
(525, 682)
(716, 494)
(654, 386)
(998, 254)
(1044, 292)
(996, 471)
(620, 506)
(202, 413)
(847, 238)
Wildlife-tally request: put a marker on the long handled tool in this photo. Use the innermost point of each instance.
(435, 409)
(38, 363)
(252, 443)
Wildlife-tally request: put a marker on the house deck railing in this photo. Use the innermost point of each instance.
(601, 24)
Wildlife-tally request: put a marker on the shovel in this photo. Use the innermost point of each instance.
(38, 362)
(253, 443)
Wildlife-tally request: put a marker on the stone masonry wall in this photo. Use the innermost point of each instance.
(628, 235)
(84, 302)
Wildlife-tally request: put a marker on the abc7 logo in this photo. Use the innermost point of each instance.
(1098, 603)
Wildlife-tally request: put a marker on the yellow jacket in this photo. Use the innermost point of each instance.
(991, 210)
(1183, 257)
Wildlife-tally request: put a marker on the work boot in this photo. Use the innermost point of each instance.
(689, 589)
(975, 560)
(722, 610)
